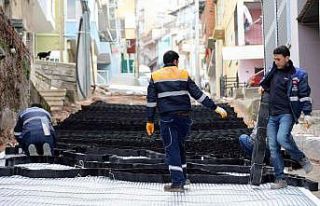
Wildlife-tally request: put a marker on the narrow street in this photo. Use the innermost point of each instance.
(108, 140)
(159, 102)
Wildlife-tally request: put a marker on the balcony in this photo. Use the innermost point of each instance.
(309, 15)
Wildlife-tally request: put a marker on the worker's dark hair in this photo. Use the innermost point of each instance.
(36, 105)
(170, 56)
(283, 50)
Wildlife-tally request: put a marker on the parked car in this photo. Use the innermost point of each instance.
(255, 79)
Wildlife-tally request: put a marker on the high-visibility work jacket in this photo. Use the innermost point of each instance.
(31, 119)
(169, 91)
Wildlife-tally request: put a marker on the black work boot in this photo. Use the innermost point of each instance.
(173, 188)
(187, 181)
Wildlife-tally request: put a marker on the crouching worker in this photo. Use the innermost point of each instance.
(247, 143)
(34, 131)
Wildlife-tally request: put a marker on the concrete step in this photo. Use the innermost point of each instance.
(55, 108)
(54, 98)
(53, 93)
(54, 103)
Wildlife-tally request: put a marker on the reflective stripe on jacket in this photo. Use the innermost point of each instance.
(33, 118)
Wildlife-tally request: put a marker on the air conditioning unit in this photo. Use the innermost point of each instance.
(218, 33)
(210, 43)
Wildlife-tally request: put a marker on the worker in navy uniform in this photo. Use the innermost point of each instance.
(34, 131)
(168, 91)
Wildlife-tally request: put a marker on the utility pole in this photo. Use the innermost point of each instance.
(196, 44)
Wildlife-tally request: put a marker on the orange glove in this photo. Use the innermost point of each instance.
(150, 128)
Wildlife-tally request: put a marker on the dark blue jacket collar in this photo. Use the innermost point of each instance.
(170, 65)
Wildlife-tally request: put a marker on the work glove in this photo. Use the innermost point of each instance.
(221, 111)
(150, 128)
(307, 121)
(260, 90)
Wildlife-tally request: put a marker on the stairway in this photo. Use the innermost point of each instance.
(55, 98)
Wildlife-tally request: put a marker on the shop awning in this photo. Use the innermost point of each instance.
(309, 15)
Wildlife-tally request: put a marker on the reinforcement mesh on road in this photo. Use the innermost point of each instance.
(17, 190)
